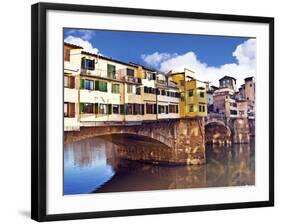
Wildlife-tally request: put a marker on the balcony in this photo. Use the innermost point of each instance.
(132, 79)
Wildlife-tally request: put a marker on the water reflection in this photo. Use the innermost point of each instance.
(95, 165)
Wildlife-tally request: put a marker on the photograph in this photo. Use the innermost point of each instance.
(146, 111)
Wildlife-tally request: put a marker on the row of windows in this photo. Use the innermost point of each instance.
(161, 92)
(191, 93)
(89, 64)
(69, 82)
(126, 109)
(202, 108)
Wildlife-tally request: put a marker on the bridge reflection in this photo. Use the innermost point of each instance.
(98, 165)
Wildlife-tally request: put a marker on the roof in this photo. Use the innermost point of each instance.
(227, 77)
(144, 67)
(249, 78)
(73, 45)
(109, 59)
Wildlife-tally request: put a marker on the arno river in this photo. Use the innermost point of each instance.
(93, 165)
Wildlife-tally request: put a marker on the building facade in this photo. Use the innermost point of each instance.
(103, 91)
(193, 97)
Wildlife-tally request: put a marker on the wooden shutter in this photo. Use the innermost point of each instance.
(96, 108)
(109, 108)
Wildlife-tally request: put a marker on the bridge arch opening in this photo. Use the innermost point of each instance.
(217, 133)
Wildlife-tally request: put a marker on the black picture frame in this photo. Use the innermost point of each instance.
(39, 122)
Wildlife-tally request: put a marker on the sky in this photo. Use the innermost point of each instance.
(210, 57)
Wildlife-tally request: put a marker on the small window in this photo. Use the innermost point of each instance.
(191, 108)
(111, 71)
(115, 88)
(102, 109)
(190, 92)
(138, 90)
(129, 108)
(66, 54)
(116, 109)
(130, 72)
(202, 95)
(69, 109)
(69, 82)
(88, 84)
(129, 88)
(101, 86)
(88, 64)
(86, 108)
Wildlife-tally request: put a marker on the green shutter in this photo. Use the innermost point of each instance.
(111, 71)
(82, 83)
(97, 84)
(81, 108)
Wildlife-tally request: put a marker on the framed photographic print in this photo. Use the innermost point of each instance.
(139, 111)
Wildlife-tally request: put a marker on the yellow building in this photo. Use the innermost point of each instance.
(193, 96)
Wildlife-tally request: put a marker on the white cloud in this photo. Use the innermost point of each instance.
(244, 53)
(87, 46)
(155, 58)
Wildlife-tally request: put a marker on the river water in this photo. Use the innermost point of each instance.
(94, 166)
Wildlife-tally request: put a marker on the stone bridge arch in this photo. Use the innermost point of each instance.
(184, 139)
(162, 133)
(217, 132)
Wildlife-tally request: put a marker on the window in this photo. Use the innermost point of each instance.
(130, 72)
(115, 109)
(69, 109)
(101, 86)
(69, 82)
(251, 85)
(173, 108)
(115, 88)
(137, 108)
(129, 88)
(86, 108)
(138, 90)
(190, 92)
(88, 84)
(88, 64)
(202, 94)
(234, 112)
(161, 109)
(191, 108)
(163, 92)
(102, 109)
(129, 108)
(66, 54)
(145, 89)
(182, 82)
(201, 108)
(111, 71)
(150, 108)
